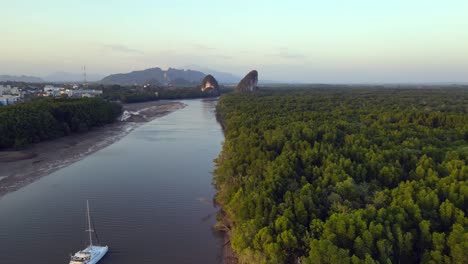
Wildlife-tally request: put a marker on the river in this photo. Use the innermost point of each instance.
(150, 195)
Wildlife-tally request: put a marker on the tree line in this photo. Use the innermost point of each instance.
(43, 119)
(345, 175)
(185, 93)
(137, 94)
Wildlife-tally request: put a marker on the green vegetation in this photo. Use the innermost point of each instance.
(184, 93)
(345, 175)
(137, 94)
(129, 94)
(44, 119)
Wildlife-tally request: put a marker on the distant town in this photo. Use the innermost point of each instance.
(12, 94)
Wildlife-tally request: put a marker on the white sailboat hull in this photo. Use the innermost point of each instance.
(89, 255)
(92, 254)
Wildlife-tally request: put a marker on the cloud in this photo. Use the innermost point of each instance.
(121, 49)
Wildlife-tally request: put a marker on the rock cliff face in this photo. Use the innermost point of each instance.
(249, 83)
(209, 84)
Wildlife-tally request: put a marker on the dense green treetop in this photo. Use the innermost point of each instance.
(345, 175)
(43, 119)
(134, 94)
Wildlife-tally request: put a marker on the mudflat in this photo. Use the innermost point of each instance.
(19, 168)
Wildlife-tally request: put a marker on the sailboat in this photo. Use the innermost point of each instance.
(93, 253)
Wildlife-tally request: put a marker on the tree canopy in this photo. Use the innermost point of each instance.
(135, 94)
(345, 175)
(44, 119)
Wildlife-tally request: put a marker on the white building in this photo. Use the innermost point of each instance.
(50, 90)
(83, 93)
(15, 90)
(9, 90)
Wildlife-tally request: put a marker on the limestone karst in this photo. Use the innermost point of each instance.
(249, 82)
(209, 84)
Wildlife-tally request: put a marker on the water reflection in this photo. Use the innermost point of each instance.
(145, 195)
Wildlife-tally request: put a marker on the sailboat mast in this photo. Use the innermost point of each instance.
(89, 224)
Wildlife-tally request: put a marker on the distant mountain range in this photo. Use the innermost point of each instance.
(57, 77)
(155, 76)
(193, 75)
(22, 78)
(182, 77)
(221, 77)
(225, 77)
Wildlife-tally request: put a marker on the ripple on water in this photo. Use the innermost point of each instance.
(145, 198)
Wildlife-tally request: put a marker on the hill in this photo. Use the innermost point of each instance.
(22, 78)
(249, 82)
(155, 76)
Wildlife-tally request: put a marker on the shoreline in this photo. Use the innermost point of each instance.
(20, 168)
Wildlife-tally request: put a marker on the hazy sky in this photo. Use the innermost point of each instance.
(307, 41)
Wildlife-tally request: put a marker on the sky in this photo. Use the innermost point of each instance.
(347, 41)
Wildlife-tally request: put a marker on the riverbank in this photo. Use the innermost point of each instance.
(229, 256)
(19, 168)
